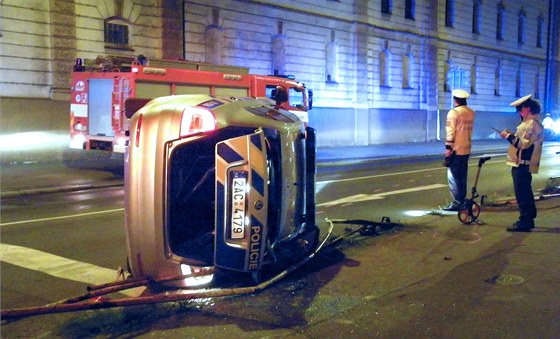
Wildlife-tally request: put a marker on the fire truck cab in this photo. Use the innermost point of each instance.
(101, 86)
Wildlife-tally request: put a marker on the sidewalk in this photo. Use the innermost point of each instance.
(328, 156)
(90, 170)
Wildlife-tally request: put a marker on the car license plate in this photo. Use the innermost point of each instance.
(238, 200)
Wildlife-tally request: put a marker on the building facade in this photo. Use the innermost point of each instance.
(381, 71)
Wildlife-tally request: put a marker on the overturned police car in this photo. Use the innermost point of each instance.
(217, 183)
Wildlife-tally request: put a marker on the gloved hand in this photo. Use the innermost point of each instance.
(504, 134)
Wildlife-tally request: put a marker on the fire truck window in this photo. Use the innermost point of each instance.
(151, 90)
(181, 89)
(234, 92)
(271, 91)
(296, 98)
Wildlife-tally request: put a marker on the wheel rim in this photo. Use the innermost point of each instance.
(469, 215)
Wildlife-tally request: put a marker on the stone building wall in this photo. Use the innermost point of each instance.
(423, 60)
(388, 79)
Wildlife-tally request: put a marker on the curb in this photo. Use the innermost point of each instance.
(73, 188)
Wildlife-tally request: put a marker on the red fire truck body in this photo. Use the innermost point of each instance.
(97, 117)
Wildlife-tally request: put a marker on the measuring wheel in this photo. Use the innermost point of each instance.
(469, 212)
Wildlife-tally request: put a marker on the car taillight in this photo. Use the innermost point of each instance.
(196, 120)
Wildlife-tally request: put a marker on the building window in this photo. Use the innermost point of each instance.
(477, 5)
(498, 80)
(409, 9)
(521, 26)
(387, 6)
(385, 61)
(518, 83)
(279, 50)
(331, 60)
(540, 25)
(449, 12)
(474, 70)
(407, 65)
(537, 81)
(500, 21)
(116, 33)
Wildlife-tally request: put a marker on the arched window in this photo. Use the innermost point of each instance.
(385, 61)
(518, 82)
(407, 71)
(449, 13)
(331, 60)
(500, 21)
(279, 50)
(521, 26)
(448, 76)
(498, 80)
(474, 70)
(477, 5)
(540, 26)
(537, 81)
(116, 32)
(448, 73)
(214, 40)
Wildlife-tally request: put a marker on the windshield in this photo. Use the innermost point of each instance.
(296, 97)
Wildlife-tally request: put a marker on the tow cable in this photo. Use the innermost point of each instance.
(93, 299)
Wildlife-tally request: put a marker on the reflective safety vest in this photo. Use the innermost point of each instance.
(526, 145)
(459, 129)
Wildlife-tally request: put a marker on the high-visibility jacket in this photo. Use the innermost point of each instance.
(526, 145)
(459, 129)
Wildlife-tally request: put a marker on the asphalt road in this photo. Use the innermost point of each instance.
(432, 277)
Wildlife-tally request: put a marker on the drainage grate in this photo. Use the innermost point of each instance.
(507, 279)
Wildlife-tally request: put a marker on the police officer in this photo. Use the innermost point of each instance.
(524, 155)
(459, 128)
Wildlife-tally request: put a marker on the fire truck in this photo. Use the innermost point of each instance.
(101, 86)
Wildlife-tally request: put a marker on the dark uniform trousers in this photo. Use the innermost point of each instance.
(524, 193)
(457, 178)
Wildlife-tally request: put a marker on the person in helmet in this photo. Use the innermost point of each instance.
(524, 155)
(458, 143)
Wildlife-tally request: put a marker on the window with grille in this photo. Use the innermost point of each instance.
(116, 33)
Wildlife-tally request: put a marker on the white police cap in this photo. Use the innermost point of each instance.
(460, 93)
(521, 100)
